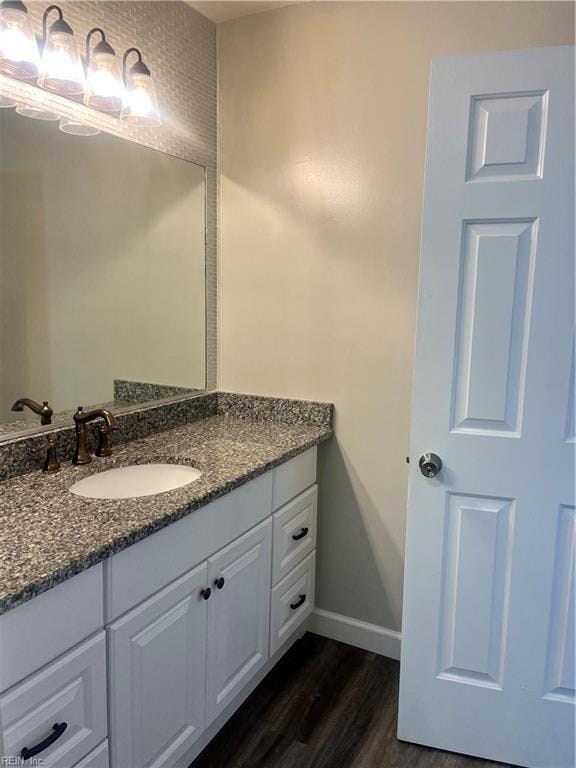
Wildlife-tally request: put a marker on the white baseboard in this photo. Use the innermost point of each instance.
(370, 637)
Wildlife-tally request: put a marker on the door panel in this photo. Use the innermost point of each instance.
(158, 675)
(475, 589)
(507, 136)
(238, 616)
(562, 648)
(492, 323)
(488, 626)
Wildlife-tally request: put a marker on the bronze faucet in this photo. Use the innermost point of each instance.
(81, 454)
(44, 410)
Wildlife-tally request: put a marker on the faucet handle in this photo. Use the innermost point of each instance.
(103, 444)
(51, 463)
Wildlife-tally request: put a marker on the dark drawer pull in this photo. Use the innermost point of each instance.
(205, 593)
(298, 602)
(57, 731)
(298, 536)
(219, 582)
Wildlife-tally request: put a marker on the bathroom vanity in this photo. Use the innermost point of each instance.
(133, 628)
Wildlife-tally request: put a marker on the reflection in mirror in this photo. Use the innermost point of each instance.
(102, 272)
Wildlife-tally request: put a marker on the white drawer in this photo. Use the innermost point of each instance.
(292, 602)
(294, 532)
(42, 629)
(71, 690)
(146, 567)
(98, 758)
(293, 477)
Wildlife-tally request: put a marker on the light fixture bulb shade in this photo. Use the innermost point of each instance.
(36, 112)
(140, 103)
(76, 128)
(104, 86)
(6, 102)
(61, 69)
(19, 55)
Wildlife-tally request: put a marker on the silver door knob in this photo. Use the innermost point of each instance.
(430, 464)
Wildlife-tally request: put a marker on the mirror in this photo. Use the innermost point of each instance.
(102, 272)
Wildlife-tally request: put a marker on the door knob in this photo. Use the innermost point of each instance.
(430, 464)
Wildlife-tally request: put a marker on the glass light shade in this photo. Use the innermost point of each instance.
(19, 56)
(68, 125)
(104, 86)
(6, 102)
(61, 70)
(140, 103)
(38, 110)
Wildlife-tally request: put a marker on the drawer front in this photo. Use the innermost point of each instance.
(138, 572)
(40, 630)
(293, 477)
(71, 691)
(292, 602)
(294, 533)
(98, 758)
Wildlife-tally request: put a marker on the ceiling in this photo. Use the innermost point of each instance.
(224, 10)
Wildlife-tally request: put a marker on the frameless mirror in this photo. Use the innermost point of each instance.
(102, 272)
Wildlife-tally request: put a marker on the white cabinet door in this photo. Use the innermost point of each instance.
(157, 655)
(488, 635)
(238, 615)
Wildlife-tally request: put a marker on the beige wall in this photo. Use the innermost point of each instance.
(322, 135)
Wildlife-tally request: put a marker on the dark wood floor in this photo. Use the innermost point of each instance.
(324, 705)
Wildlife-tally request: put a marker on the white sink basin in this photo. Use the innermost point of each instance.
(134, 481)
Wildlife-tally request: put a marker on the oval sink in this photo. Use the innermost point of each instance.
(134, 481)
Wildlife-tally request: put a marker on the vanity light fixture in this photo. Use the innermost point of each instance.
(104, 86)
(127, 92)
(75, 127)
(19, 56)
(61, 69)
(140, 105)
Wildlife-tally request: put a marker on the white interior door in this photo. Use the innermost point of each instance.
(488, 637)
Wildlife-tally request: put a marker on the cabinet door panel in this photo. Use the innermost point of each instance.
(238, 616)
(158, 675)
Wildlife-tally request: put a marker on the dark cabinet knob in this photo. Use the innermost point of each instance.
(219, 582)
(298, 536)
(205, 593)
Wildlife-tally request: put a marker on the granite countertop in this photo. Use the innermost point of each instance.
(48, 534)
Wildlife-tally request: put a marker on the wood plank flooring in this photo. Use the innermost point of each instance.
(324, 705)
